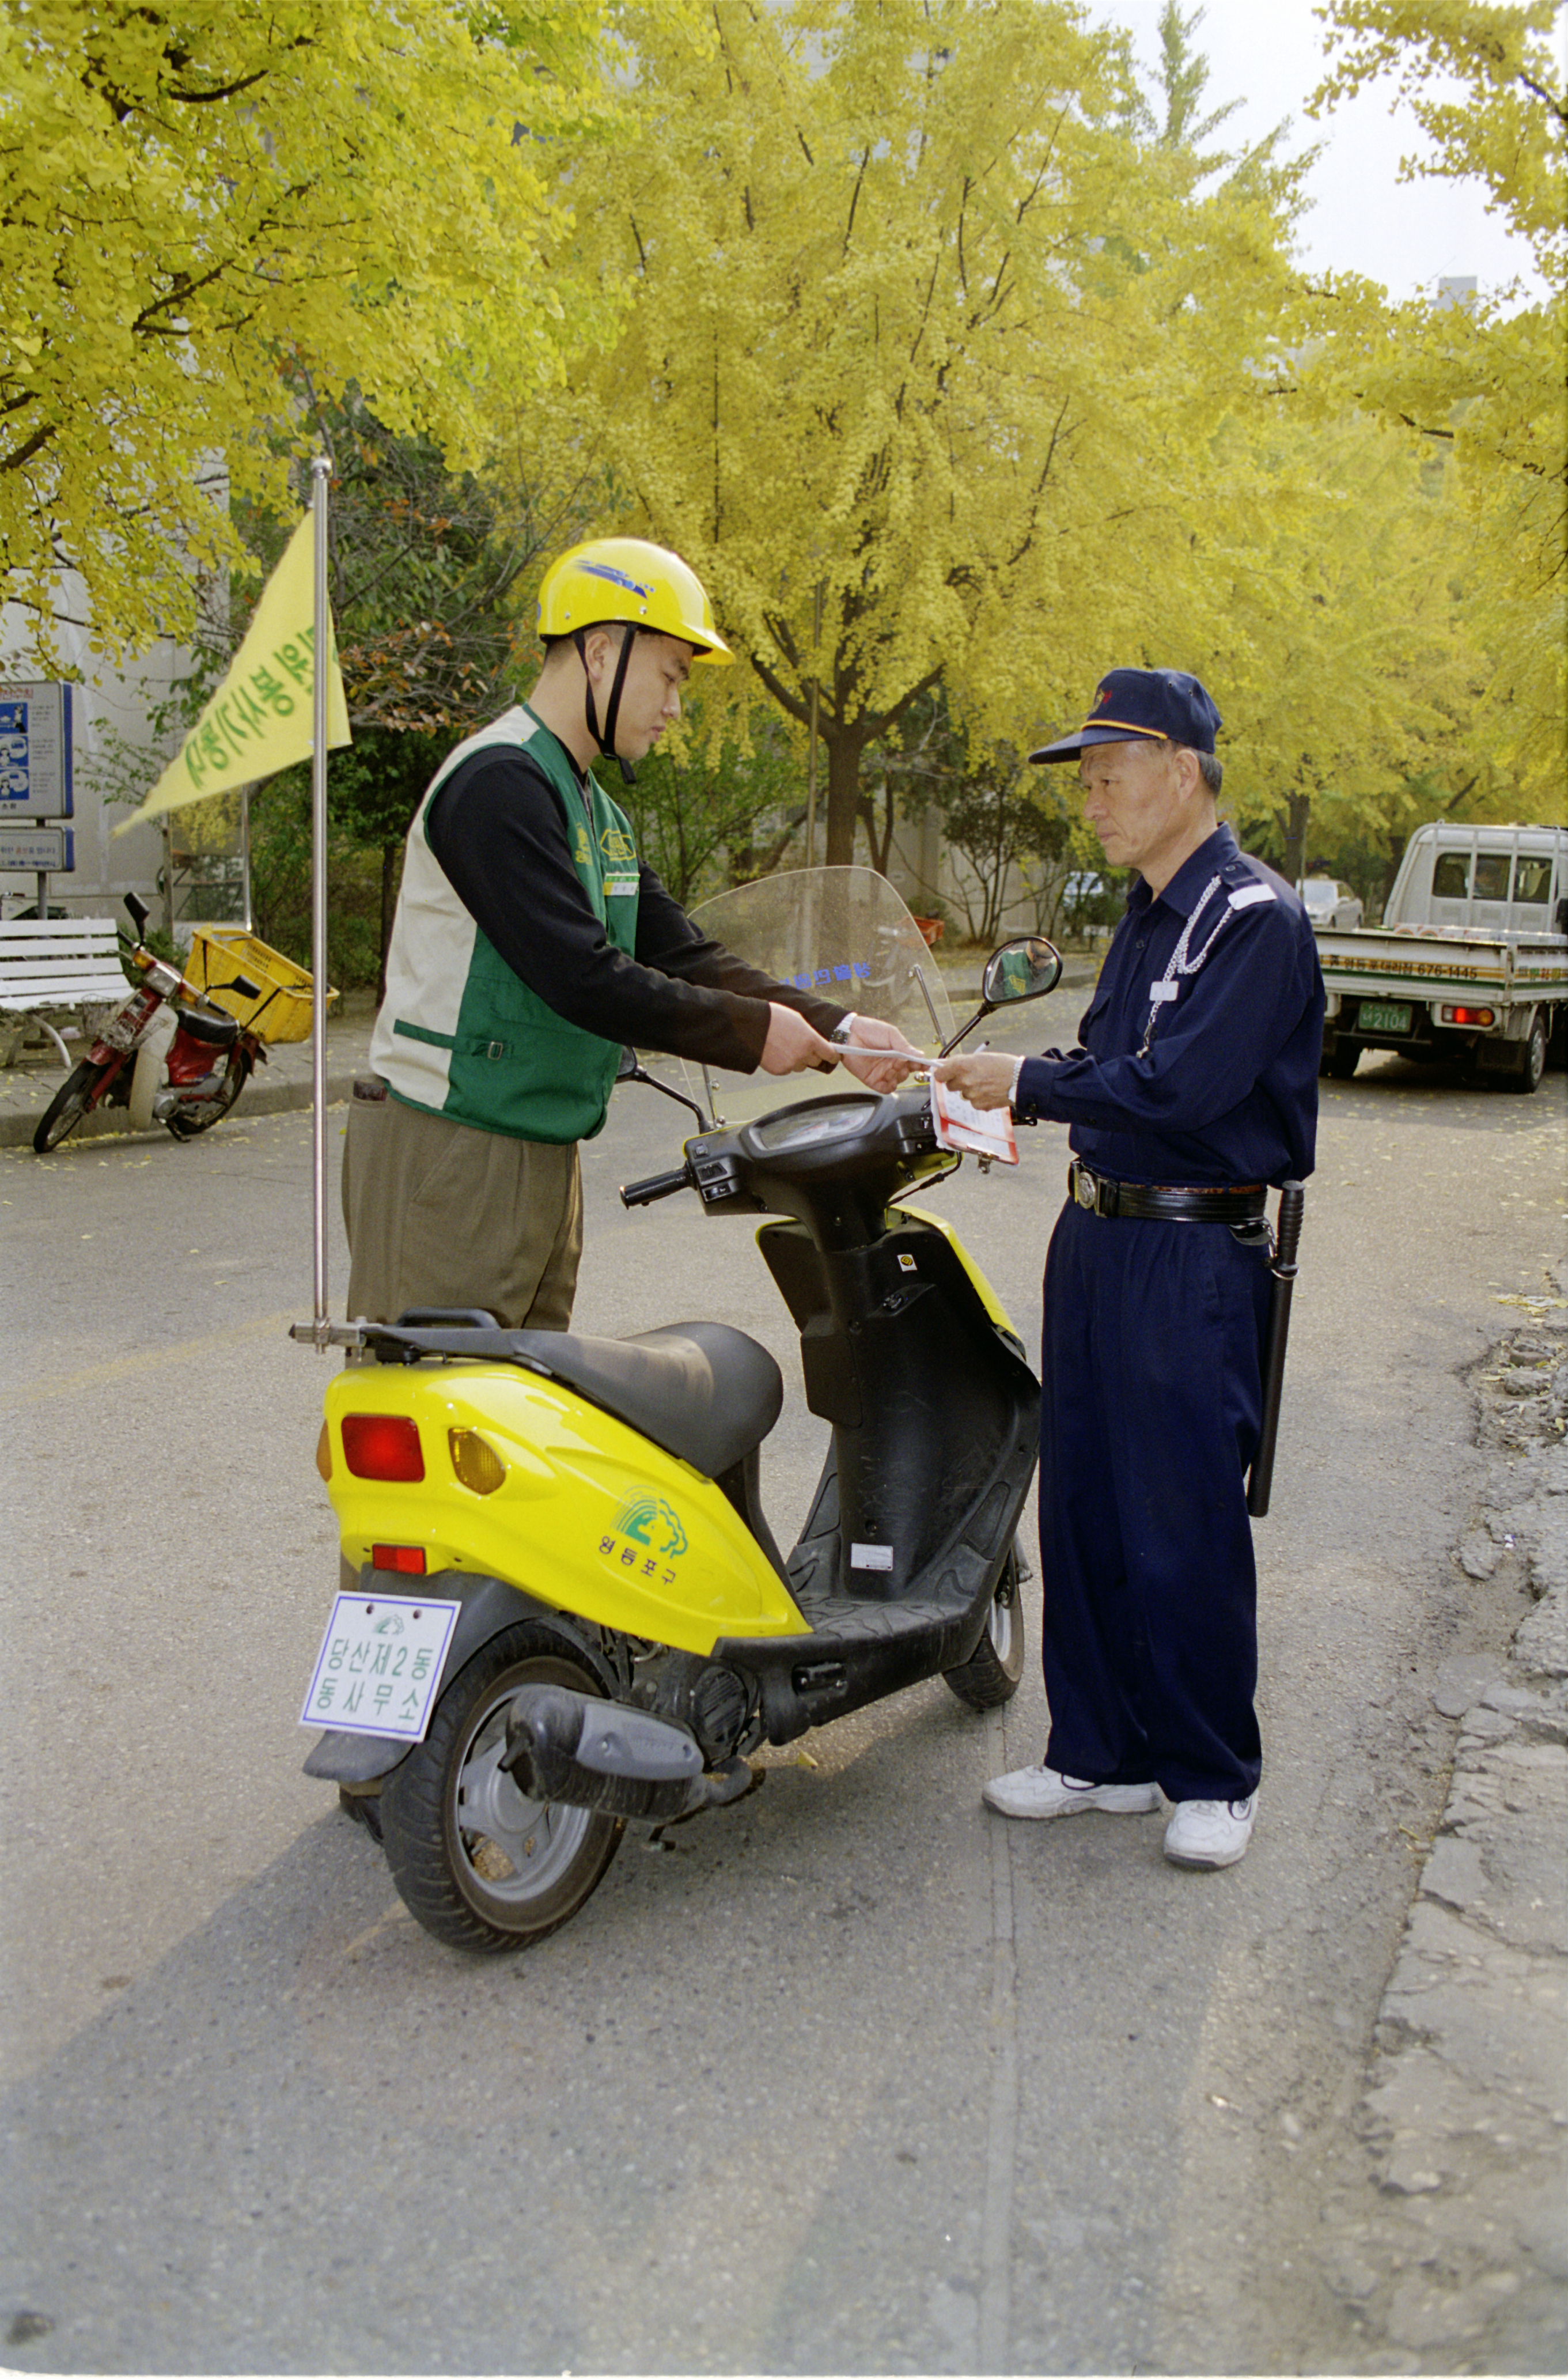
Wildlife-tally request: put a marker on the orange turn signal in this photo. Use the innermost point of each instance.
(477, 1463)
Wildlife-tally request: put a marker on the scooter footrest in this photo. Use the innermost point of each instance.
(859, 1651)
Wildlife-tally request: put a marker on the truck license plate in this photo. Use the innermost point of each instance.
(379, 1665)
(1384, 1016)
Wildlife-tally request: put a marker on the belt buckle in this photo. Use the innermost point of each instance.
(1086, 1190)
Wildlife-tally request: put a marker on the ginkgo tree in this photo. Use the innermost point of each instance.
(1481, 383)
(925, 355)
(1349, 664)
(195, 191)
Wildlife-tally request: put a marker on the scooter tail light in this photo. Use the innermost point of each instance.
(383, 1445)
(324, 1453)
(408, 1559)
(475, 1461)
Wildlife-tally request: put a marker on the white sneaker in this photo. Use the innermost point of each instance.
(1042, 1793)
(1210, 1833)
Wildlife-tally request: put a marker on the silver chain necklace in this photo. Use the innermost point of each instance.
(1179, 965)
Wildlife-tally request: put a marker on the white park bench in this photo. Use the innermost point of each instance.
(55, 966)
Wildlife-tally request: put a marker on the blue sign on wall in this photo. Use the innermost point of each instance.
(35, 753)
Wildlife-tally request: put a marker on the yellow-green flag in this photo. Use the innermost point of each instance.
(260, 718)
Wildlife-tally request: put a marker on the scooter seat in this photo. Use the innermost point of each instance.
(218, 1032)
(704, 1391)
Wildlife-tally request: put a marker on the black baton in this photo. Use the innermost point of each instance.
(1288, 1238)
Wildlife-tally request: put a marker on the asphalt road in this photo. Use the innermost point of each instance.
(854, 2077)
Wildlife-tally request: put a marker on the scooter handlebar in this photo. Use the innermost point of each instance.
(658, 1185)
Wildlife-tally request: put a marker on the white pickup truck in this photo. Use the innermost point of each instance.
(1469, 963)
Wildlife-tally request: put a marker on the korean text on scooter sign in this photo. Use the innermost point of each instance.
(379, 1666)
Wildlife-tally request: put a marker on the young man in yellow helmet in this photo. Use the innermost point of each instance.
(529, 946)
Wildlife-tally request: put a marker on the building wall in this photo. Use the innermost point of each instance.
(107, 703)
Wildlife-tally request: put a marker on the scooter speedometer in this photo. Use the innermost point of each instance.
(811, 1125)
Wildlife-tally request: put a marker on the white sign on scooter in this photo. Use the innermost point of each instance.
(379, 1666)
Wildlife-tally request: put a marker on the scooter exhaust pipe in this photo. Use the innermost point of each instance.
(563, 1745)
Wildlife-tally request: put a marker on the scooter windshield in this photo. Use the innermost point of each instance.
(841, 932)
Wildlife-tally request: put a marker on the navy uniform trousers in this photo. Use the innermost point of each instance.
(1151, 1379)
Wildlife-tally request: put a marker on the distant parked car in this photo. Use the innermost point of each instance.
(1331, 905)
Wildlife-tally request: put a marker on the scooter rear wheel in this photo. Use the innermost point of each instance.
(481, 1867)
(186, 1123)
(990, 1676)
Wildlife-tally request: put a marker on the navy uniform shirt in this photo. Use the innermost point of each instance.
(1221, 1085)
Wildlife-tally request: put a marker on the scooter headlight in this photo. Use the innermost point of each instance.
(475, 1461)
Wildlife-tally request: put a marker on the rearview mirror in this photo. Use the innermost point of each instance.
(632, 1070)
(1025, 968)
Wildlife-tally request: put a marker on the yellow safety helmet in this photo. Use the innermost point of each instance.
(626, 578)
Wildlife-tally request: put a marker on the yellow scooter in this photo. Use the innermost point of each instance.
(572, 1614)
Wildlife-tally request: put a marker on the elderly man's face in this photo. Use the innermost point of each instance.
(1141, 798)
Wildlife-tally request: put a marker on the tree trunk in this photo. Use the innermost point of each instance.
(880, 830)
(845, 745)
(1298, 816)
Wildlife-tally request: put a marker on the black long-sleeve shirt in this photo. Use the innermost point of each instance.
(498, 830)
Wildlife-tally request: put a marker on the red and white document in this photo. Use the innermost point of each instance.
(982, 1132)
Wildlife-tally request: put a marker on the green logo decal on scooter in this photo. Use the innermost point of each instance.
(647, 1536)
(653, 1525)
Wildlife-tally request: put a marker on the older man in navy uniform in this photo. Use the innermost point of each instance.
(1195, 1087)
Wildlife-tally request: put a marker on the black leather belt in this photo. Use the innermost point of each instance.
(1163, 1201)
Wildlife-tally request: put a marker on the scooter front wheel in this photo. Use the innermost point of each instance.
(990, 1676)
(76, 1098)
(481, 1867)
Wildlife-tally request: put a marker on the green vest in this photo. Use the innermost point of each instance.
(459, 1033)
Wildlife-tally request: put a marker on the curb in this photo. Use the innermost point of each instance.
(1464, 2110)
(257, 1099)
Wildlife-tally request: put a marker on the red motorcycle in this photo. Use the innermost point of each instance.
(175, 1055)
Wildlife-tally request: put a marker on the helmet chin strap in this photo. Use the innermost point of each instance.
(605, 739)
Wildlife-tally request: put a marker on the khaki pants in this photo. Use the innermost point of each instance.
(439, 1213)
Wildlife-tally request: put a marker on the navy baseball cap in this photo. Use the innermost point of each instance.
(1130, 704)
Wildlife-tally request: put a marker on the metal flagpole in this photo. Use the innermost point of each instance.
(246, 918)
(319, 471)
